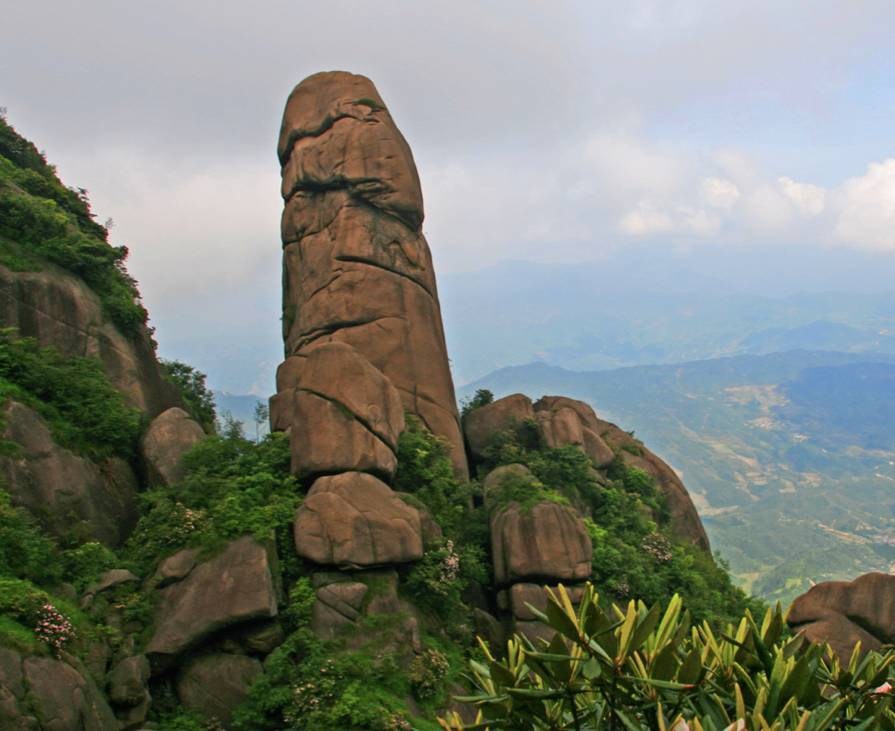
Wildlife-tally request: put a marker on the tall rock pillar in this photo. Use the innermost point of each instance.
(356, 267)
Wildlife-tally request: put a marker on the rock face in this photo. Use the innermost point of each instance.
(843, 613)
(348, 416)
(481, 425)
(170, 436)
(356, 267)
(235, 586)
(214, 685)
(68, 494)
(565, 421)
(50, 695)
(549, 541)
(353, 520)
(685, 522)
(57, 308)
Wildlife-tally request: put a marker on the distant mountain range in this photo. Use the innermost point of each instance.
(789, 456)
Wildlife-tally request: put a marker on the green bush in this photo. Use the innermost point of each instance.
(84, 411)
(197, 397)
(641, 668)
(43, 221)
(232, 486)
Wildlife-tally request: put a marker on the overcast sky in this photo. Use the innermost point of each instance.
(546, 131)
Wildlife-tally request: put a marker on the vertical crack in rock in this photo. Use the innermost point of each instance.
(357, 269)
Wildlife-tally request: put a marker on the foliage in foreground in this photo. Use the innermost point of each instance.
(642, 668)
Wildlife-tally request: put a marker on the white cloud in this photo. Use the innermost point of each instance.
(867, 209)
(645, 219)
(809, 200)
(719, 193)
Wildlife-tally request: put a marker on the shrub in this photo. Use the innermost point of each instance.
(83, 409)
(197, 397)
(640, 668)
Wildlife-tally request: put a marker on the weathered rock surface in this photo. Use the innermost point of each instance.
(482, 424)
(214, 685)
(354, 519)
(68, 494)
(547, 542)
(50, 695)
(356, 267)
(685, 522)
(170, 436)
(128, 690)
(565, 421)
(57, 308)
(176, 567)
(845, 612)
(338, 605)
(347, 415)
(235, 586)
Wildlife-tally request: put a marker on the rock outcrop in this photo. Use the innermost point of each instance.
(170, 436)
(356, 266)
(214, 685)
(51, 695)
(233, 587)
(354, 519)
(69, 495)
(843, 613)
(57, 308)
(348, 415)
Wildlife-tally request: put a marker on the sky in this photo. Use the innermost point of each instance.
(543, 132)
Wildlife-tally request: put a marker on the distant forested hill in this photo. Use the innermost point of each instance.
(790, 456)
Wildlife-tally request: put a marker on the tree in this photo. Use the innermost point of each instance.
(262, 414)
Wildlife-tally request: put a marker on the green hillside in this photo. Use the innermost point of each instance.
(790, 457)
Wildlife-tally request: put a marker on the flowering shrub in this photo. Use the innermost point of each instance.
(657, 546)
(435, 581)
(427, 671)
(54, 628)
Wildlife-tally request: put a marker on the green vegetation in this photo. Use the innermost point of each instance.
(42, 221)
(233, 486)
(197, 397)
(634, 552)
(84, 411)
(640, 668)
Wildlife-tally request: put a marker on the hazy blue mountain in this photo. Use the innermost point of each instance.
(790, 456)
(242, 408)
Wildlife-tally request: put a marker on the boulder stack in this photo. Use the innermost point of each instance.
(356, 267)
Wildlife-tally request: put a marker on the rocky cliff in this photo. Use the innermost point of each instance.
(335, 574)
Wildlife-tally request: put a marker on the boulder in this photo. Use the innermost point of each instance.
(233, 587)
(214, 685)
(565, 421)
(69, 495)
(354, 520)
(128, 680)
(109, 580)
(58, 309)
(482, 424)
(356, 268)
(685, 522)
(175, 567)
(549, 541)
(845, 612)
(63, 697)
(337, 605)
(170, 436)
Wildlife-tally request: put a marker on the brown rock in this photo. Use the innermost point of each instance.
(69, 495)
(565, 421)
(357, 269)
(482, 424)
(547, 542)
(176, 567)
(214, 685)
(261, 638)
(170, 436)
(338, 605)
(489, 629)
(844, 612)
(57, 308)
(63, 698)
(353, 520)
(685, 522)
(235, 586)
(128, 681)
